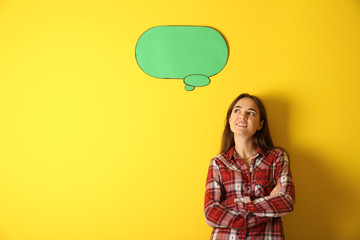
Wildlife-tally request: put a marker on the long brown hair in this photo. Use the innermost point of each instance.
(261, 138)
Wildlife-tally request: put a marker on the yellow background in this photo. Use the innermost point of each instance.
(92, 148)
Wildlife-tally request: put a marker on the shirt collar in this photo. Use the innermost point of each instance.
(230, 155)
(262, 152)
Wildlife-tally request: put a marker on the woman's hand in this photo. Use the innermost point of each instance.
(276, 190)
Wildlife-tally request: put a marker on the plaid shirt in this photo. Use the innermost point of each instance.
(238, 204)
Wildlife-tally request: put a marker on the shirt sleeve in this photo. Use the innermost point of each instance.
(216, 214)
(274, 206)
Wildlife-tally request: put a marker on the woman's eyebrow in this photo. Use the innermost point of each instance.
(250, 109)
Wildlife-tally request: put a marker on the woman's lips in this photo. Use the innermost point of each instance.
(241, 125)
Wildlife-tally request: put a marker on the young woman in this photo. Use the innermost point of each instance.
(249, 184)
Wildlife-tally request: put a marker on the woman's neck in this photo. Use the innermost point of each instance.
(245, 147)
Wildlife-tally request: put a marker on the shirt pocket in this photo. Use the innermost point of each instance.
(264, 182)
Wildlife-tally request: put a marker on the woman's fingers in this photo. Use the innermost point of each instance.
(276, 190)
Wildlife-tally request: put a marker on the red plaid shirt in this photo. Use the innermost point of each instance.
(237, 201)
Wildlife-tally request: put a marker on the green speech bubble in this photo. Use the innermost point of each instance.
(192, 53)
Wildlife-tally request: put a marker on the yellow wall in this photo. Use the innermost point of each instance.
(92, 148)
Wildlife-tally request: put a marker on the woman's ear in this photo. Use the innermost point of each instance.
(261, 125)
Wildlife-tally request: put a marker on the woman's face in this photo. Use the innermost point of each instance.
(245, 118)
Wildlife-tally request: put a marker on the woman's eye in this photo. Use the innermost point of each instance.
(251, 114)
(236, 110)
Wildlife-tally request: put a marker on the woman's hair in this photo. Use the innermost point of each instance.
(261, 138)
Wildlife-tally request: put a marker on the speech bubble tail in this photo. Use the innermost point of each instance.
(189, 88)
(196, 80)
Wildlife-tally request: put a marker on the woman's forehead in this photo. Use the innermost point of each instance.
(246, 103)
